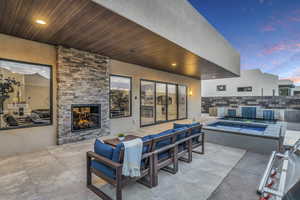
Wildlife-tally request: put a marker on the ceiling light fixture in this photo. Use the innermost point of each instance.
(39, 21)
(174, 64)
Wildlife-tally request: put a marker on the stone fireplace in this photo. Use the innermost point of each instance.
(85, 117)
(82, 86)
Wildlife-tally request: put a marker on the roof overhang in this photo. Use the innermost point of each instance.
(117, 29)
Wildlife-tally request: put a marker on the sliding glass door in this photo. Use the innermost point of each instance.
(172, 102)
(147, 103)
(161, 102)
(182, 102)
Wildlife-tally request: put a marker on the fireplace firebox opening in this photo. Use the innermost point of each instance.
(86, 117)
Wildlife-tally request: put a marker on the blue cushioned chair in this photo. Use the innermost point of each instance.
(107, 152)
(170, 146)
(160, 151)
(196, 142)
(164, 152)
(106, 163)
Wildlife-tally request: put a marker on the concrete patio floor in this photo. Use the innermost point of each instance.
(243, 180)
(59, 173)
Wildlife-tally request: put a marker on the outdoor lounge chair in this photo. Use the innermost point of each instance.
(196, 141)
(159, 152)
(106, 163)
(164, 153)
(170, 146)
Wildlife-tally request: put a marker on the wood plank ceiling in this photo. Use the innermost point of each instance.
(85, 25)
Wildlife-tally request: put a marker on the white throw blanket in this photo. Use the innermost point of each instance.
(132, 157)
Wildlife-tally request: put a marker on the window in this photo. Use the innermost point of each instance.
(285, 91)
(25, 94)
(120, 96)
(161, 102)
(297, 93)
(244, 89)
(221, 87)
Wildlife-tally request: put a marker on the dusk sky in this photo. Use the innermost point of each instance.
(265, 32)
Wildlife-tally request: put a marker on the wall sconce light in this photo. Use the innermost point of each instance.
(190, 92)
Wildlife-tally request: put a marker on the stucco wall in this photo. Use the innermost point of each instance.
(37, 138)
(28, 139)
(254, 78)
(137, 73)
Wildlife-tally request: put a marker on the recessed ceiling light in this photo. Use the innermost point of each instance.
(174, 64)
(39, 21)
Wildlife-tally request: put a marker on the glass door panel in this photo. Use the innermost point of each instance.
(147, 103)
(161, 103)
(172, 102)
(182, 102)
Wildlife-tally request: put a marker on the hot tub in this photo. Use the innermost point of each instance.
(253, 136)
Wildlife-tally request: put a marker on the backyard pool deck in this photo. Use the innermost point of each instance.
(59, 173)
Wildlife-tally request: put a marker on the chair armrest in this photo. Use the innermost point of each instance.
(146, 155)
(197, 134)
(170, 146)
(103, 160)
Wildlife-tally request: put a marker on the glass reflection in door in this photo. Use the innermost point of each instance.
(172, 102)
(161, 103)
(182, 102)
(147, 103)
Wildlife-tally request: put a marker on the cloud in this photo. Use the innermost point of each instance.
(281, 21)
(295, 76)
(281, 47)
(268, 28)
(268, 2)
(275, 48)
(295, 79)
(295, 19)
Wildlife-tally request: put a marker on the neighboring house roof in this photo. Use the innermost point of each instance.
(285, 83)
(258, 71)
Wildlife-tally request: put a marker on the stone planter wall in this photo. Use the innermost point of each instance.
(82, 78)
(275, 102)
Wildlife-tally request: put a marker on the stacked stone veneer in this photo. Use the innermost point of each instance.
(275, 102)
(82, 78)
